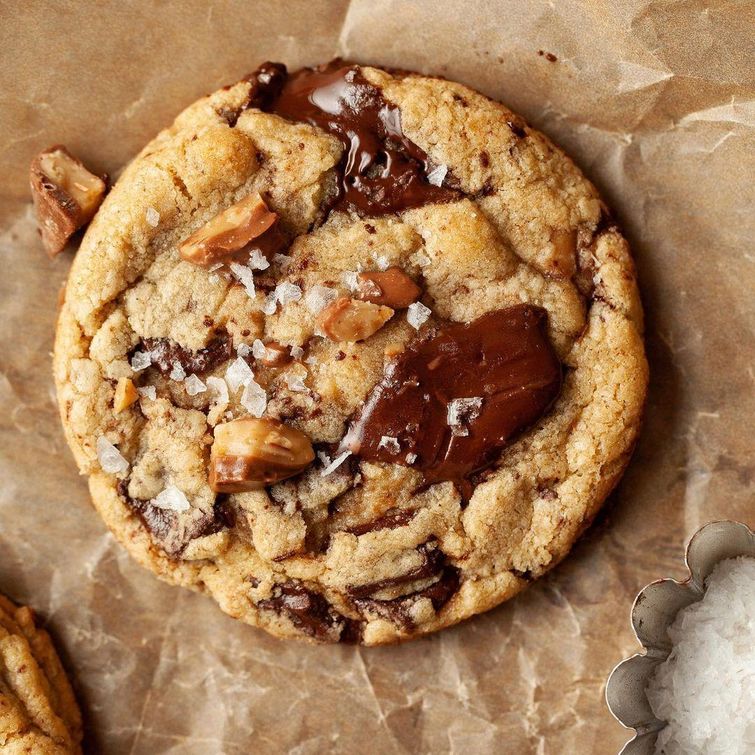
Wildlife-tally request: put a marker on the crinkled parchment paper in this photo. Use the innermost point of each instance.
(656, 102)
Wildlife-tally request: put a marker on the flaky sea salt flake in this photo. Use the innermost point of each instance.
(462, 411)
(437, 175)
(148, 391)
(390, 444)
(417, 314)
(295, 383)
(258, 261)
(141, 360)
(244, 350)
(340, 459)
(171, 499)
(270, 304)
(287, 292)
(177, 372)
(245, 277)
(350, 279)
(194, 385)
(238, 373)
(258, 349)
(219, 388)
(152, 217)
(254, 398)
(318, 297)
(110, 458)
(297, 352)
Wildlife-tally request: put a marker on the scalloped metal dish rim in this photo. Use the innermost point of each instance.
(653, 610)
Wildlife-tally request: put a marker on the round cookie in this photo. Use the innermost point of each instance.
(38, 712)
(449, 431)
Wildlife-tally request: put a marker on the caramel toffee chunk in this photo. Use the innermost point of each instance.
(249, 453)
(229, 232)
(354, 351)
(391, 288)
(502, 365)
(352, 320)
(65, 194)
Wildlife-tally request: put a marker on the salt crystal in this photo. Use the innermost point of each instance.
(238, 373)
(283, 260)
(177, 372)
(350, 279)
(287, 292)
(340, 459)
(153, 217)
(420, 259)
(270, 304)
(245, 277)
(318, 297)
(312, 359)
(297, 352)
(295, 383)
(258, 349)
(148, 391)
(258, 261)
(110, 457)
(462, 411)
(324, 458)
(141, 360)
(214, 278)
(254, 398)
(194, 385)
(243, 350)
(390, 444)
(705, 689)
(171, 499)
(220, 388)
(213, 268)
(417, 314)
(411, 458)
(437, 175)
(382, 262)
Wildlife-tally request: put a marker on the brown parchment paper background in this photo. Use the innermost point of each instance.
(656, 102)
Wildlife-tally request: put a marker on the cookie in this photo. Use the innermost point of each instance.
(38, 712)
(356, 352)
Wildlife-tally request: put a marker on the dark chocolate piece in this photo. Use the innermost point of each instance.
(398, 610)
(503, 358)
(388, 521)
(310, 613)
(382, 171)
(433, 560)
(166, 353)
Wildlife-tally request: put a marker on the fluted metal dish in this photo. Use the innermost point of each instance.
(654, 610)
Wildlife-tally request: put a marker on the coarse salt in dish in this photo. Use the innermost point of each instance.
(705, 689)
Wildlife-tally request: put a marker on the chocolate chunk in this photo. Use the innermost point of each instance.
(166, 353)
(459, 393)
(432, 562)
(309, 612)
(382, 171)
(65, 194)
(173, 531)
(398, 610)
(388, 521)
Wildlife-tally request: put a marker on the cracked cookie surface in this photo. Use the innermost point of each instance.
(153, 353)
(38, 712)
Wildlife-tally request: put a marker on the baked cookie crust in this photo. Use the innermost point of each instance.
(365, 552)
